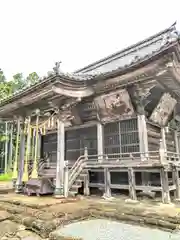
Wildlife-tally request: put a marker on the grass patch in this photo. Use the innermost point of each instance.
(5, 177)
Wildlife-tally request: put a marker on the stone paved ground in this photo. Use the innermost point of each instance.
(29, 218)
(25, 218)
(6, 187)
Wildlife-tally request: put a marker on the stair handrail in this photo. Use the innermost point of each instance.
(41, 165)
(73, 172)
(77, 167)
(76, 174)
(76, 163)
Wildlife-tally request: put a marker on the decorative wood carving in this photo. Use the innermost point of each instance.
(56, 68)
(67, 111)
(115, 105)
(76, 117)
(139, 94)
(164, 109)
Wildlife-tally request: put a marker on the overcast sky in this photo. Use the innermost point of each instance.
(36, 33)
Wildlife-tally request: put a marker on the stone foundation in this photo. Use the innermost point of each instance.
(23, 217)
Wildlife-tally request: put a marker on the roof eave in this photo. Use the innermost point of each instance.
(101, 61)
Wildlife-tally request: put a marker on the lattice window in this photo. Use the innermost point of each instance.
(72, 145)
(121, 137)
(78, 139)
(129, 137)
(170, 141)
(50, 146)
(111, 138)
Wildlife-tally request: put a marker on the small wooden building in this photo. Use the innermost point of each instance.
(112, 125)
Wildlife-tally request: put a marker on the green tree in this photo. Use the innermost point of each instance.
(32, 78)
(2, 77)
(7, 88)
(18, 82)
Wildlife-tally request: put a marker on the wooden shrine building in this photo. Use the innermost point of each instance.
(113, 125)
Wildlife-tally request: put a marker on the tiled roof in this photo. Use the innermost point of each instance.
(132, 53)
(116, 62)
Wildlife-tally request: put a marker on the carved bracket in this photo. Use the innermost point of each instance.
(114, 106)
(164, 109)
(174, 125)
(139, 96)
(66, 110)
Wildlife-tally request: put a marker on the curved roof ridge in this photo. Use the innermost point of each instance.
(125, 51)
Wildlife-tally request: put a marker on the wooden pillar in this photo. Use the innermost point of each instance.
(162, 153)
(39, 145)
(176, 140)
(132, 184)
(143, 146)
(143, 138)
(176, 182)
(6, 148)
(19, 187)
(163, 137)
(107, 182)
(66, 180)
(33, 143)
(86, 184)
(100, 141)
(100, 144)
(11, 147)
(165, 186)
(60, 158)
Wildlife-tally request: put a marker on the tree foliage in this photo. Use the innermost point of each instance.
(18, 81)
(7, 88)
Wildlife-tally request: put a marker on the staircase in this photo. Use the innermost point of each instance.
(47, 177)
(44, 184)
(78, 183)
(76, 175)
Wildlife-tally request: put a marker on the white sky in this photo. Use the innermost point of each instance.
(36, 33)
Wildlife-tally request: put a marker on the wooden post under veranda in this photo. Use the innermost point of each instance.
(6, 148)
(10, 155)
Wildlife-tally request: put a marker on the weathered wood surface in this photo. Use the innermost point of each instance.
(107, 180)
(164, 109)
(154, 136)
(176, 181)
(115, 105)
(165, 186)
(125, 163)
(132, 184)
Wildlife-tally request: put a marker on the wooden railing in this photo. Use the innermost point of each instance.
(42, 164)
(115, 160)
